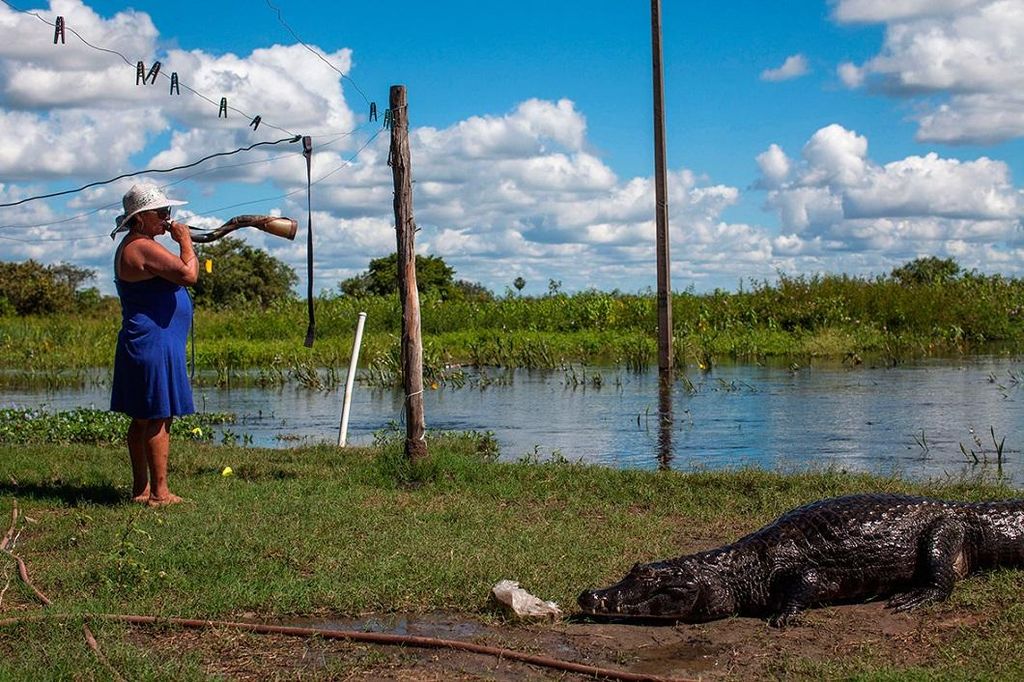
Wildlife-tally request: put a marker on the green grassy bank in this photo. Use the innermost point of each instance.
(326, 532)
(827, 316)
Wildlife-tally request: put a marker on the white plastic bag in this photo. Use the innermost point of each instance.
(518, 602)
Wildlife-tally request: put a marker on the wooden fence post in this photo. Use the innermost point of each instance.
(405, 232)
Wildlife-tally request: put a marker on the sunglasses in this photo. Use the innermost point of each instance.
(163, 213)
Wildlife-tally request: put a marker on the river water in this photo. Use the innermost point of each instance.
(911, 419)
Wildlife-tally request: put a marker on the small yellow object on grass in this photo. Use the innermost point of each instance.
(227, 471)
(197, 432)
(209, 265)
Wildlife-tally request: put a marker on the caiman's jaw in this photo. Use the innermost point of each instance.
(644, 593)
(667, 603)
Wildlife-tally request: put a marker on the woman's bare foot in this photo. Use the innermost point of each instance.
(142, 498)
(169, 498)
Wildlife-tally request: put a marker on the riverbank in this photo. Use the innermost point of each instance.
(356, 535)
(885, 321)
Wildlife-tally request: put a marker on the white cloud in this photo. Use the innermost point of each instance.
(836, 200)
(774, 165)
(850, 74)
(968, 53)
(499, 195)
(794, 67)
(834, 155)
(66, 142)
(893, 10)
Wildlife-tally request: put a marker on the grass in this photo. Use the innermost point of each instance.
(823, 316)
(319, 531)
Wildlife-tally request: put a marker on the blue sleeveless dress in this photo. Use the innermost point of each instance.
(150, 371)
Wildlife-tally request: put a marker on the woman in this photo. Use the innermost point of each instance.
(151, 383)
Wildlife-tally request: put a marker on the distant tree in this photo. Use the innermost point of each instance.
(71, 275)
(31, 288)
(930, 270)
(242, 274)
(473, 291)
(433, 275)
(519, 283)
(554, 286)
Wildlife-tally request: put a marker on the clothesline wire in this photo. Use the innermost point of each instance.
(269, 159)
(318, 54)
(144, 171)
(346, 163)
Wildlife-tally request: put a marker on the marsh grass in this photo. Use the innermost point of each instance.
(320, 531)
(820, 316)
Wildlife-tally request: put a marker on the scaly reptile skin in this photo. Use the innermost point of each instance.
(846, 549)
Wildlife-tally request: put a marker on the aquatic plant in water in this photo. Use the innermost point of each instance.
(87, 425)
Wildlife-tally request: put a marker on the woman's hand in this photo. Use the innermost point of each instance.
(179, 231)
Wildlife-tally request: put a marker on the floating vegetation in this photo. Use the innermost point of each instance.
(485, 379)
(982, 453)
(385, 369)
(309, 375)
(524, 350)
(1010, 385)
(638, 354)
(53, 378)
(580, 379)
(87, 425)
(922, 442)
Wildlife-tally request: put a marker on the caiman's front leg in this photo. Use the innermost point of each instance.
(941, 552)
(798, 592)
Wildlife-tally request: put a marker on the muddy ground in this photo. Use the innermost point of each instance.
(739, 649)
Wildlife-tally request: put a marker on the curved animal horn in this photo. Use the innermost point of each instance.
(275, 225)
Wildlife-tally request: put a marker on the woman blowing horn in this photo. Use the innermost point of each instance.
(151, 383)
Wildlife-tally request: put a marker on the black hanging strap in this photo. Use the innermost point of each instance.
(307, 151)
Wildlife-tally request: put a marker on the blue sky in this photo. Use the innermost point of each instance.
(833, 136)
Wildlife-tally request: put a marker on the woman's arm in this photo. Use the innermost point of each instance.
(146, 255)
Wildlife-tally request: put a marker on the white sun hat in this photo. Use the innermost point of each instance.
(138, 199)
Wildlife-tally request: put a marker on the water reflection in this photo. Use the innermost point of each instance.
(862, 418)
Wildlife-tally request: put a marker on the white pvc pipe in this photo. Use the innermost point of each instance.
(349, 380)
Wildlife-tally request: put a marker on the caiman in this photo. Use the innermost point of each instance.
(911, 550)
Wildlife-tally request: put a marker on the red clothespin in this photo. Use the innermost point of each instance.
(175, 90)
(373, 111)
(223, 108)
(58, 31)
(255, 123)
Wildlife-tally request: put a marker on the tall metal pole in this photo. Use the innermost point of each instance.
(405, 232)
(661, 203)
